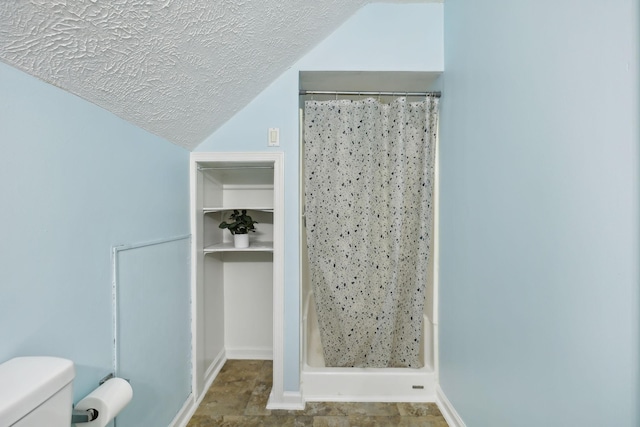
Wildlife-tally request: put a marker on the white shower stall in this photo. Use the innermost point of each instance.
(321, 383)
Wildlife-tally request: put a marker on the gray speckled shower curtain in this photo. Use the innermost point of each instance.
(369, 209)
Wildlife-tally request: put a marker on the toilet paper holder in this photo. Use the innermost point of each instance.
(78, 417)
(81, 416)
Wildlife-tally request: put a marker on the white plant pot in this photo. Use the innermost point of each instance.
(241, 241)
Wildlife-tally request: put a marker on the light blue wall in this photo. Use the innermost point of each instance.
(75, 181)
(155, 340)
(539, 289)
(380, 37)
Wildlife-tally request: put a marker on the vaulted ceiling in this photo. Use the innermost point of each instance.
(177, 68)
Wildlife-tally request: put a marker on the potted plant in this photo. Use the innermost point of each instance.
(240, 227)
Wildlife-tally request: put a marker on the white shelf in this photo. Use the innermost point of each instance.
(228, 247)
(261, 209)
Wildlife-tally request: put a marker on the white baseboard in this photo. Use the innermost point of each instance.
(290, 400)
(448, 411)
(191, 404)
(250, 353)
(212, 373)
(185, 413)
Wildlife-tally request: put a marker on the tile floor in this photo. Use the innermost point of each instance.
(239, 394)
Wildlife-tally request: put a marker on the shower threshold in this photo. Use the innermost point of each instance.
(368, 384)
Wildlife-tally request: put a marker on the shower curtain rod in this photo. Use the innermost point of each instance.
(368, 93)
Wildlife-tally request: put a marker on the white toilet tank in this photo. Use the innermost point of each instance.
(36, 392)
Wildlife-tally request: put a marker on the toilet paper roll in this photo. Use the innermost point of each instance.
(108, 399)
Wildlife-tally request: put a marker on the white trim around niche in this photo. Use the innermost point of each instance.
(278, 399)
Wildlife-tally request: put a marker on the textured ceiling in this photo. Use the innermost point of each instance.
(178, 68)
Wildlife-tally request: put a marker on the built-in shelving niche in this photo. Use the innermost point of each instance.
(235, 289)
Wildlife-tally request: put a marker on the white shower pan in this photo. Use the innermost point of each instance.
(320, 383)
